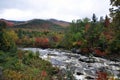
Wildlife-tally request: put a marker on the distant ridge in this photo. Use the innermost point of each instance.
(49, 24)
(60, 22)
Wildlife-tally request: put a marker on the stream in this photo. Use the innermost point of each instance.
(82, 67)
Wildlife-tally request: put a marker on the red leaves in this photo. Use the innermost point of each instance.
(42, 42)
(87, 26)
(10, 24)
(107, 22)
(85, 50)
(43, 73)
(102, 76)
(99, 52)
(78, 43)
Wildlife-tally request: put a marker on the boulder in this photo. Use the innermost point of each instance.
(75, 50)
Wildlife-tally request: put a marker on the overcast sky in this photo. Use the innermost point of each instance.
(59, 9)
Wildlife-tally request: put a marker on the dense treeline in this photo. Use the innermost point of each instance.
(101, 37)
(91, 36)
(16, 64)
(41, 39)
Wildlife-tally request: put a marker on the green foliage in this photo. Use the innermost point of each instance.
(25, 65)
(115, 14)
(8, 37)
(93, 33)
(75, 33)
(115, 46)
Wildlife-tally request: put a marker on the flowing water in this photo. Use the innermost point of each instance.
(82, 67)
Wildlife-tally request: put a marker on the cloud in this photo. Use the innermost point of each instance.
(16, 14)
(59, 9)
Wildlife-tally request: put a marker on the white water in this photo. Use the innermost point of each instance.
(64, 59)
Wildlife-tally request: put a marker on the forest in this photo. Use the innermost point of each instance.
(96, 36)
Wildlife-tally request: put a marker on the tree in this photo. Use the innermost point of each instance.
(115, 14)
(107, 21)
(101, 20)
(7, 40)
(94, 18)
(2, 27)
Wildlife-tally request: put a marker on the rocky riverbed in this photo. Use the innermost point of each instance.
(81, 67)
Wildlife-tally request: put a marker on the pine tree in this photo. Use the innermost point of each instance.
(94, 18)
(115, 14)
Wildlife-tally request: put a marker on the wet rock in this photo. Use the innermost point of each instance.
(81, 60)
(118, 65)
(78, 51)
(90, 60)
(89, 77)
(74, 50)
(79, 73)
(52, 54)
(87, 60)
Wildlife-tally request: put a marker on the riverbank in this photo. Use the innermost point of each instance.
(80, 66)
(25, 65)
(87, 52)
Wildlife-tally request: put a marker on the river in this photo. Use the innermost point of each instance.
(81, 67)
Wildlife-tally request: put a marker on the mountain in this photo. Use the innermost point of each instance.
(8, 23)
(51, 24)
(59, 22)
(16, 22)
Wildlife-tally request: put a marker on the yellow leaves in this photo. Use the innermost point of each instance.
(112, 78)
(74, 43)
(13, 35)
(10, 75)
(78, 43)
(8, 37)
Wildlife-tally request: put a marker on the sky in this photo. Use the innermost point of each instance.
(66, 10)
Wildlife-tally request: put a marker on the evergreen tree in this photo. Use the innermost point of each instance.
(101, 20)
(94, 18)
(2, 27)
(115, 14)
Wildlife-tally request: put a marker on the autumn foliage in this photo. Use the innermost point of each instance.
(102, 76)
(99, 52)
(42, 42)
(107, 22)
(87, 26)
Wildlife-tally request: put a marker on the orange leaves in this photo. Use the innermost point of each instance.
(20, 54)
(43, 73)
(102, 76)
(99, 52)
(77, 43)
(85, 50)
(42, 42)
(87, 26)
(107, 21)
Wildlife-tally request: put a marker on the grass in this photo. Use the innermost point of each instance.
(25, 65)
